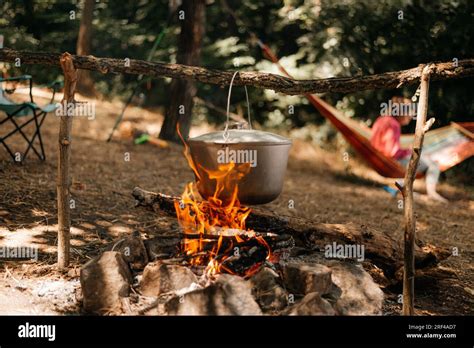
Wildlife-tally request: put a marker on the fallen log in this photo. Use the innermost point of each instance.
(380, 248)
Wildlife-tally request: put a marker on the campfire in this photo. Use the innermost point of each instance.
(226, 259)
(215, 235)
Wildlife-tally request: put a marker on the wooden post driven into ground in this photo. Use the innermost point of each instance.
(63, 183)
(407, 191)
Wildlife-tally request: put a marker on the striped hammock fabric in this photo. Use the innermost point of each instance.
(447, 146)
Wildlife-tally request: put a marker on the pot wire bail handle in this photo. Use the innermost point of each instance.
(226, 134)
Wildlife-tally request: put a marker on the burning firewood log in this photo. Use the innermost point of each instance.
(236, 257)
(381, 249)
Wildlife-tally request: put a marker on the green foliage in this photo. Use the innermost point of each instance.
(314, 38)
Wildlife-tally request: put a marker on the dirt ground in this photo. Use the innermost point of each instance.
(323, 187)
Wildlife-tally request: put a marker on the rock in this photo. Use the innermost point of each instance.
(307, 277)
(267, 291)
(333, 294)
(105, 282)
(159, 278)
(228, 295)
(274, 299)
(360, 294)
(264, 279)
(133, 251)
(312, 304)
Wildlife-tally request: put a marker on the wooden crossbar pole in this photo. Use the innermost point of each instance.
(278, 83)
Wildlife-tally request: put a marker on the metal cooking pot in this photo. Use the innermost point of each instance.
(267, 154)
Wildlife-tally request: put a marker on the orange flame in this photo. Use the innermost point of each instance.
(220, 213)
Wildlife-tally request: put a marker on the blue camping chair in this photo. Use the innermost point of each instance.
(28, 111)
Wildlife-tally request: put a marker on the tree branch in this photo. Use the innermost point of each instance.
(278, 83)
(64, 154)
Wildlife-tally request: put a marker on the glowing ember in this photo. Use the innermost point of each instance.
(215, 228)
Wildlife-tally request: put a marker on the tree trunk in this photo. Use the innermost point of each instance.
(182, 91)
(86, 83)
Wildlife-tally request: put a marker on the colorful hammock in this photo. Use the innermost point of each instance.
(447, 146)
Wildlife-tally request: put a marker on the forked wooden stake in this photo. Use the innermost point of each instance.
(407, 192)
(63, 183)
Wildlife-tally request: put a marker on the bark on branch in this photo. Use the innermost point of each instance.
(278, 83)
(407, 192)
(64, 154)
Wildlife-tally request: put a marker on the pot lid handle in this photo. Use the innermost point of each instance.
(225, 135)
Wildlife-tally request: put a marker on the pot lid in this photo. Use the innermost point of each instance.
(246, 136)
